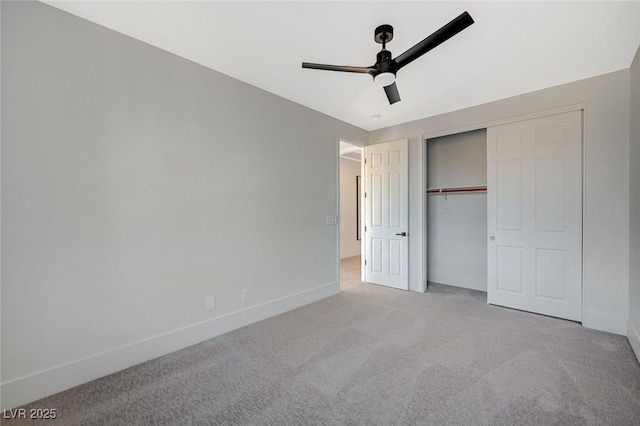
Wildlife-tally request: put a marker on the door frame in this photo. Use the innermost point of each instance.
(483, 125)
(360, 144)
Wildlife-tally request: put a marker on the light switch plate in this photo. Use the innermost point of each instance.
(332, 220)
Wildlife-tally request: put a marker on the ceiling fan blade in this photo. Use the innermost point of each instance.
(443, 34)
(343, 68)
(392, 93)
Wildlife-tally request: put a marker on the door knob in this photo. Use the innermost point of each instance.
(492, 238)
(402, 234)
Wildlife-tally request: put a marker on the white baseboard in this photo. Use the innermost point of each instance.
(456, 280)
(43, 383)
(633, 334)
(604, 322)
(349, 253)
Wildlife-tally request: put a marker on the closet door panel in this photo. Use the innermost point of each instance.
(509, 195)
(509, 267)
(550, 193)
(534, 206)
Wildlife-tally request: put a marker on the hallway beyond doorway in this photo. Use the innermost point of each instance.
(350, 272)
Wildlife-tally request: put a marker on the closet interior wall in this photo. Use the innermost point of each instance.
(457, 222)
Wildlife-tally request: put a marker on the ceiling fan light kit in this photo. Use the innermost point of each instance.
(385, 69)
(384, 79)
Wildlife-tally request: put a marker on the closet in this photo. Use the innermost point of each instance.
(457, 210)
(504, 213)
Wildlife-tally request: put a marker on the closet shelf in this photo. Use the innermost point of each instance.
(456, 190)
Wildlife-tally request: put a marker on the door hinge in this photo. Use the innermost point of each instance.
(365, 161)
(365, 262)
(365, 230)
(365, 195)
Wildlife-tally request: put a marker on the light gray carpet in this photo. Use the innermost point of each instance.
(377, 356)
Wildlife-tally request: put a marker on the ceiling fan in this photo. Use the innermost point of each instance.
(385, 69)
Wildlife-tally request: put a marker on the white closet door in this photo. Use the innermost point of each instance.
(387, 214)
(534, 201)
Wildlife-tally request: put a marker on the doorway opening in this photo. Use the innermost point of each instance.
(351, 206)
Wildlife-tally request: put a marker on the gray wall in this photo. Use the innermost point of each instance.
(457, 224)
(134, 185)
(606, 181)
(457, 160)
(634, 212)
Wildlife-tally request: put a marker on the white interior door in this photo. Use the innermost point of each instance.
(387, 214)
(534, 201)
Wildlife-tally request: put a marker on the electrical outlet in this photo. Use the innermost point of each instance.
(210, 303)
(246, 295)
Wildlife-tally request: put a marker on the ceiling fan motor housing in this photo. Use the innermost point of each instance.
(384, 63)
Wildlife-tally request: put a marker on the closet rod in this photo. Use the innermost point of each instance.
(456, 189)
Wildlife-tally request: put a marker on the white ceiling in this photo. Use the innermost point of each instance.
(513, 47)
